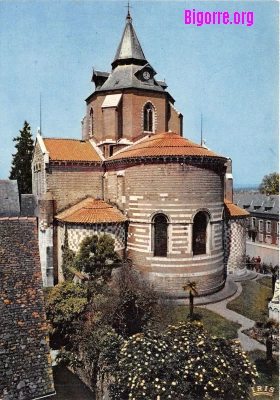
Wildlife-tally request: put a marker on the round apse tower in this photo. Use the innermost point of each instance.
(172, 191)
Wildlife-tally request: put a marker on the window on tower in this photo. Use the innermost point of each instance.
(91, 126)
(149, 118)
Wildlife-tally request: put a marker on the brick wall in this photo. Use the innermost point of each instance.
(235, 245)
(68, 184)
(179, 191)
(175, 120)
(25, 365)
(130, 115)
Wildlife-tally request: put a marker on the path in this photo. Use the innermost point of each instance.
(220, 308)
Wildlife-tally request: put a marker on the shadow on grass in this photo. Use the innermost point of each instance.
(195, 317)
(267, 368)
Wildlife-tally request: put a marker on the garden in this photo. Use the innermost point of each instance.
(122, 338)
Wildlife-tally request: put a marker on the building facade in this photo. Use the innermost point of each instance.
(133, 157)
(262, 228)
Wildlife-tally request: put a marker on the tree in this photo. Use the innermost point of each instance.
(136, 303)
(21, 164)
(270, 184)
(191, 286)
(184, 362)
(64, 306)
(97, 256)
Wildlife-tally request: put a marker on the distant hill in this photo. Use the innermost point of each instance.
(237, 187)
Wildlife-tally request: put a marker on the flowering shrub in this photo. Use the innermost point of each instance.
(184, 362)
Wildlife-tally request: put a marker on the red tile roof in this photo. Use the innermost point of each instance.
(164, 144)
(91, 211)
(71, 150)
(235, 211)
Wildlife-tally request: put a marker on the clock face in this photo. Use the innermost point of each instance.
(146, 75)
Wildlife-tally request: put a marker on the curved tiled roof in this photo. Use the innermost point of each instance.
(71, 150)
(166, 144)
(235, 211)
(91, 211)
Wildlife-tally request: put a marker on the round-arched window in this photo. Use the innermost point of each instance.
(200, 233)
(149, 116)
(160, 235)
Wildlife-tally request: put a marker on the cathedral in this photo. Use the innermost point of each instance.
(165, 200)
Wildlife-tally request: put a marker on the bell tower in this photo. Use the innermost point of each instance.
(129, 102)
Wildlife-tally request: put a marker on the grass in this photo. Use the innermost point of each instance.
(268, 373)
(254, 299)
(212, 322)
(266, 281)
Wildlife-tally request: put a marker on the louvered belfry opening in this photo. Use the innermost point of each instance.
(160, 235)
(199, 233)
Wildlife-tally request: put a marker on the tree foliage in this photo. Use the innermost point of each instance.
(97, 256)
(184, 362)
(65, 304)
(22, 159)
(270, 184)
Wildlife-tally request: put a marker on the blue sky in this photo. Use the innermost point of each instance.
(229, 73)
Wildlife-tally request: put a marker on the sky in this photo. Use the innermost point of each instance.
(228, 73)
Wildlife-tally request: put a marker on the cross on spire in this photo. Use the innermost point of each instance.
(128, 8)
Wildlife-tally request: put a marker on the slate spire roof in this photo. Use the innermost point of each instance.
(129, 50)
(128, 66)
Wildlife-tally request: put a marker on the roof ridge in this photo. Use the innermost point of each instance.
(56, 138)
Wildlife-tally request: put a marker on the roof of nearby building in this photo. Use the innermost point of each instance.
(9, 198)
(71, 150)
(91, 211)
(235, 211)
(258, 203)
(23, 317)
(166, 144)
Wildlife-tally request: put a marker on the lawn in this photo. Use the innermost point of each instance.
(268, 373)
(266, 281)
(212, 322)
(254, 299)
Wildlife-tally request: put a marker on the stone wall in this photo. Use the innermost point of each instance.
(9, 198)
(179, 191)
(29, 205)
(235, 245)
(78, 232)
(38, 171)
(25, 364)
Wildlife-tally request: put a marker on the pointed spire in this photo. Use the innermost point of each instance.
(129, 50)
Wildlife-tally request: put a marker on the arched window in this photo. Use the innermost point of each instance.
(160, 235)
(149, 116)
(91, 122)
(200, 233)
